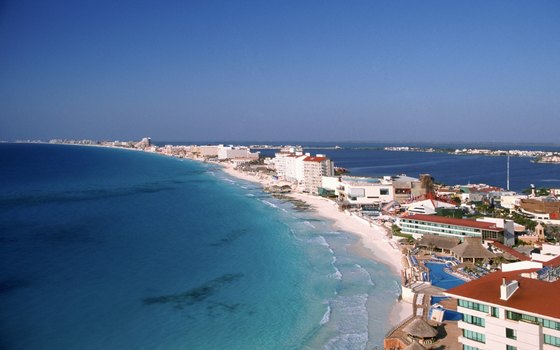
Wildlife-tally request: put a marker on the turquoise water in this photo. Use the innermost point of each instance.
(114, 249)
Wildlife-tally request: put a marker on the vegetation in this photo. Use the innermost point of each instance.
(484, 209)
(396, 231)
(427, 183)
(552, 232)
(540, 192)
(523, 220)
(520, 243)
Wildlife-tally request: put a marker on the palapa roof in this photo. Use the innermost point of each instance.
(472, 248)
(419, 328)
(438, 241)
(415, 346)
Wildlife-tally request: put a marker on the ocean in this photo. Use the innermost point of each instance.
(116, 249)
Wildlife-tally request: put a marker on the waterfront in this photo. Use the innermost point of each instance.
(115, 249)
(447, 168)
(343, 293)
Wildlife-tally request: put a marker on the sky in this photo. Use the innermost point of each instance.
(429, 71)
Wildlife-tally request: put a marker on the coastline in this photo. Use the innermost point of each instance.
(373, 243)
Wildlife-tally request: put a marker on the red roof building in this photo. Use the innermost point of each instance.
(517, 309)
(420, 224)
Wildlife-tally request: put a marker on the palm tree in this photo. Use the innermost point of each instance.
(427, 183)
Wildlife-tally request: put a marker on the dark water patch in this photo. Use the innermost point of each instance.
(63, 197)
(82, 231)
(8, 240)
(195, 295)
(10, 285)
(69, 234)
(231, 237)
(219, 309)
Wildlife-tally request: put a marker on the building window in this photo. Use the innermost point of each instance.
(511, 347)
(514, 316)
(551, 324)
(468, 347)
(473, 306)
(479, 337)
(511, 333)
(495, 312)
(551, 340)
(384, 191)
(473, 320)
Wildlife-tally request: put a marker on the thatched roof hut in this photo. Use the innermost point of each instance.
(440, 242)
(420, 329)
(472, 249)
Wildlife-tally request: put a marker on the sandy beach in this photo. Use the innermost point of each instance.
(372, 237)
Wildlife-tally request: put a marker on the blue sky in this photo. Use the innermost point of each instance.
(281, 70)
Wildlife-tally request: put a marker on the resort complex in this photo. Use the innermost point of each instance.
(479, 265)
(419, 225)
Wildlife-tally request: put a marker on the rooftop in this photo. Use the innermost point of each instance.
(471, 248)
(314, 159)
(511, 251)
(456, 222)
(533, 295)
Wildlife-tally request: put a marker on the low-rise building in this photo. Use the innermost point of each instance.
(547, 253)
(507, 225)
(427, 206)
(420, 224)
(360, 191)
(542, 209)
(230, 152)
(511, 201)
(406, 188)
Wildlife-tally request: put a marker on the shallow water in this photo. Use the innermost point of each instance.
(105, 248)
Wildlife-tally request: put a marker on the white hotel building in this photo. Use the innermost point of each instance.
(303, 169)
(360, 191)
(513, 310)
(230, 152)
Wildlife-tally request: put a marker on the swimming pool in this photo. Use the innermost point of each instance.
(442, 279)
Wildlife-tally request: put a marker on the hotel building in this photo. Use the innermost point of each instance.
(514, 310)
(230, 152)
(360, 191)
(303, 169)
(420, 224)
(314, 168)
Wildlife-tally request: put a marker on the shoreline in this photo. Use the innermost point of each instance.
(373, 243)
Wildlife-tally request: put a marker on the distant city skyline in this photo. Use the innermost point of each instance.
(430, 71)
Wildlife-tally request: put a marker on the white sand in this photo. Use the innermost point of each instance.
(373, 237)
